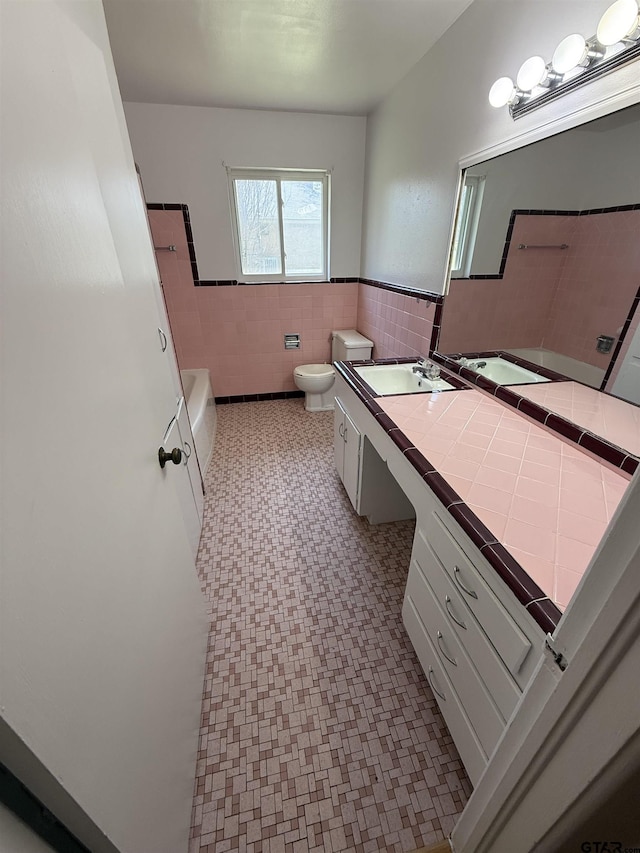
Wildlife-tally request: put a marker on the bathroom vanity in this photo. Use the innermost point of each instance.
(476, 617)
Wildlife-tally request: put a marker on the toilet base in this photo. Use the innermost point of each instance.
(314, 402)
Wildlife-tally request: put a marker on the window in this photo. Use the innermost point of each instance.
(280, 221)
(464, 236)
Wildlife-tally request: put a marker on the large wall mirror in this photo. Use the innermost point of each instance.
(546, 255)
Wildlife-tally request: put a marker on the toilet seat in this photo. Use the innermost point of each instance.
(314, 370)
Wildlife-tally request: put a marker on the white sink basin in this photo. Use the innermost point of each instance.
(503, 372)
(388, 379)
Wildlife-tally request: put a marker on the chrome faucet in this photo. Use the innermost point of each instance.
(420, 367)
(427, 369)
(470, 363)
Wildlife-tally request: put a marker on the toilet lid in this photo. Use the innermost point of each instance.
(314, 370)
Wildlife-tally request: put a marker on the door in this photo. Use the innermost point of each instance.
(338, 438)
(351, 476)
(102, 622)
(627, 385)
(185, 473)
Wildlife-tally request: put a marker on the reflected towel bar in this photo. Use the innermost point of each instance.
(528, 246)
(170, 248)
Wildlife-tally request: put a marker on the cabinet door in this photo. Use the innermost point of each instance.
(351, 471)
(338, 438)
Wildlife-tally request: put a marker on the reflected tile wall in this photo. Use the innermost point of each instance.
(557, 299)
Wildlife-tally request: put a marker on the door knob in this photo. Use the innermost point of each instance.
(174, 456)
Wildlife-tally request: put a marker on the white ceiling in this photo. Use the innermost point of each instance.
(328, 56)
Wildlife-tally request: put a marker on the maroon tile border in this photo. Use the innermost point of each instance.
(426, 295)
(523, 212)
(445, 493)
(253, 398)
(523, 587)
(437, 326)
(546, 614)
(419, 462)
(598, 446)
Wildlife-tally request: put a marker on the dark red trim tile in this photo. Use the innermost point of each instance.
(546, 614)
(630, 465)
(602, 449)
(385, 422)
(486, 384)
(400, 439)
(419, 462)
(479, 534)
(512, 573)
(442, 490)
(564, 427)
(508, 396)
(372, 405)
(532, 410)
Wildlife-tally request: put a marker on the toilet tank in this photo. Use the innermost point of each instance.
(350, 345)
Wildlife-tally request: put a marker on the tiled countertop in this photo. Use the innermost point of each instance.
(606, 416)
(545, 500)
(533, 502)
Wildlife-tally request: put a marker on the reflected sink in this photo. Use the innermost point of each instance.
(503, 372)
(388, 379)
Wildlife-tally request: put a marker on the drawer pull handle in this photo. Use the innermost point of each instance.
(456, 574)
(341, 430)
(447, 604)
(442, 649)
(433, 686)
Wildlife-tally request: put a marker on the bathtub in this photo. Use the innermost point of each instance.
(571, 367)
(202, 412)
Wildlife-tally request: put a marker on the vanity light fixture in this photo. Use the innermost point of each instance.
(574, 51)
(535, 72)
(575, 61)
(619, 23)
(503, 92)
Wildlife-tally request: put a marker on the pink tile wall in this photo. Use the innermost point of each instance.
(512, 311)
(557, 299)
(398, 325)
(237, 332)
(599, 282)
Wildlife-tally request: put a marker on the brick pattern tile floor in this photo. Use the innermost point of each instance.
(318, 729)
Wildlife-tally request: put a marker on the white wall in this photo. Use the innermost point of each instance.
(439, 114)
(102, 622)
(181, 150)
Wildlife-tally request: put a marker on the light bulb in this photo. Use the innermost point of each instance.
(532, 73)
(571, 52)
(618, 23)
(502, 92)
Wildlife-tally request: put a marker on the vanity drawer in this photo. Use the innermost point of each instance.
(485, 718)
(466, 741)
(511, 643)
(502, 687)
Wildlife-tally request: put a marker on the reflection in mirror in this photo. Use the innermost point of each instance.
(546, 264)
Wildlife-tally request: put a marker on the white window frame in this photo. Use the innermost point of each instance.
(280, 175)
(466, 228)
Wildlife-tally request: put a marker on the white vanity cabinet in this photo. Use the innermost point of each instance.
(372, 489)
(347, 442)
(477, 644)
(477, 648)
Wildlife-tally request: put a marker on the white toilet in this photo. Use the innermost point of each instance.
(316, 380)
